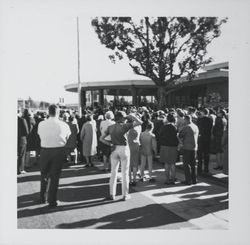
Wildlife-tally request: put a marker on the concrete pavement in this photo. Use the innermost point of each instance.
(153, 205)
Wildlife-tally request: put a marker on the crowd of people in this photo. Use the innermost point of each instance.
(129, 137)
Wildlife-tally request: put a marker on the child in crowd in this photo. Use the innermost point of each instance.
(148, 148)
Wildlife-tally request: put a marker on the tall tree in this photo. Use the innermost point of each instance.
(163, 49)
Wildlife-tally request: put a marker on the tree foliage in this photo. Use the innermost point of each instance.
(161, 48)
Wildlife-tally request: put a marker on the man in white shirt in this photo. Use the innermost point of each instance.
(54, 134)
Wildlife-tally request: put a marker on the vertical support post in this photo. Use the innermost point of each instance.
(92, 98)
(79, 79)
(134, 96)
(116, 98)
(83, 98)
(101, 97)
(138, 97)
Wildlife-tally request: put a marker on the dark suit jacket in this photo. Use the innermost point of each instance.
(22, 131)
(205, 125)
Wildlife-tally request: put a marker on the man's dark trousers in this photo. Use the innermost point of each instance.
(51, 162)
(203, 153)
(189, 164)
(21, 156)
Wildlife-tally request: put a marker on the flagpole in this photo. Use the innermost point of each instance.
(79, 79)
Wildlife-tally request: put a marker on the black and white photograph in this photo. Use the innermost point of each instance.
(124, 122)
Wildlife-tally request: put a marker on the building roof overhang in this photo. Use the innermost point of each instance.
(210, 76)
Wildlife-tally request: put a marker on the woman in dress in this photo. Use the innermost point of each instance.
(168, 151)
(134, 146)
(89, 139)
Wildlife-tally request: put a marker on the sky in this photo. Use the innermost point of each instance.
(39, 50)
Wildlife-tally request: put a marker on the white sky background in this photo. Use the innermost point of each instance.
(40, 49)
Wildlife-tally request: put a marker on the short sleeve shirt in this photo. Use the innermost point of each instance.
(118, 133)
(53, 133)
(103, 127)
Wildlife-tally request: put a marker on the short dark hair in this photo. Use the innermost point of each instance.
(188, 118)
(26, 112)
(223, 112)
(53, 109)
(171, 110)
(191, 109)
(89, 117)
(171, 118)
(120, 115)
(211, 111)
(180, 113)
(71, 118)
(205, 111)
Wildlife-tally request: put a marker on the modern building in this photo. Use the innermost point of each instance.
(209, 87)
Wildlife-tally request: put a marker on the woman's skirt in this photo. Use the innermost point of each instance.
(168, 154)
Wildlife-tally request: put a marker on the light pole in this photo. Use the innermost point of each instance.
(79, 80)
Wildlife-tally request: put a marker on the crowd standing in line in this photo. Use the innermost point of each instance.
(128, 137)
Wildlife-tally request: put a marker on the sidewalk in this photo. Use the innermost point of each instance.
(152, 206)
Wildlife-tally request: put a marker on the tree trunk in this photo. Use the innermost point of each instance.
(162, 97)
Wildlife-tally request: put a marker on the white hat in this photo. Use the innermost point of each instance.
(100, 117)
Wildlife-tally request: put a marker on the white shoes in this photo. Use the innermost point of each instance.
(125, 198)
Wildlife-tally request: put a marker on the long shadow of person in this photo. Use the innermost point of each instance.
(89, 193)
(149, 216)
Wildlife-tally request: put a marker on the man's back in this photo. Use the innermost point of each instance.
(205, 125)
(22, 130)
(189, 134)
(53, 133)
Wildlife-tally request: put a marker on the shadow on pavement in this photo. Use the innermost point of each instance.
(196, 208)
(91, 193)
(45, 210)
(192, 201)
(87, 182)
(66, 173)
(28, 178)
(152, 215)
(69, 193)
(205, 189)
